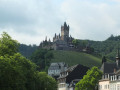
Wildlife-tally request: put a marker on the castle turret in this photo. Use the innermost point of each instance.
(49, 40)
(55, 35)
(59, 35)
(64, 32)
(118, 58)
(46, 38)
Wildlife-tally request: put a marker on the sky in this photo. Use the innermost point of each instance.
(30, 21)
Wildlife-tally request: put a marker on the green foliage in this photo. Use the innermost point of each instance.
(114, 38)
(42, 58)
(107, 48)
(78, 57)
(75, 42)
(90, 80)
(45, 82)
(7, 45)
(17, 72)
(27, 50)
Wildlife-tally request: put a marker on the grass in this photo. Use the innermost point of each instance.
(72, 58)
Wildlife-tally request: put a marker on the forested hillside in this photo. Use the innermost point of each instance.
(27, 50)
(106, 48)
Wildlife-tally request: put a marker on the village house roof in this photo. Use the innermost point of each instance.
(74, 72)
(56, 66)
(108, 67)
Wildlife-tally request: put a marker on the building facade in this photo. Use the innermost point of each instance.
(110, 82)
(111, 74)
(56, 68)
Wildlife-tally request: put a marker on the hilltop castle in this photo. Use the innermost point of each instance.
(60, 42)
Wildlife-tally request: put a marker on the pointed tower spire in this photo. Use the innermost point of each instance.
(49, 40)
(46, 38)
(118, 58)
(65, 24)
(59, 35)
(55, 35)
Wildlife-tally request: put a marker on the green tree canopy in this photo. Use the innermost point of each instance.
(42, 58)
(45, 82)
(8, 45)
(90, 80)
(75, 42)
(19, 73)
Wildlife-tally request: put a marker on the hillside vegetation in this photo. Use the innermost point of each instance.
(106, 48)
(72, 58)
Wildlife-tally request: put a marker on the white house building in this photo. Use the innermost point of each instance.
(111, 74)
(55, 69)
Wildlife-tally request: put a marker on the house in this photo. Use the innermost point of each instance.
(111, 74)
(104, 83)
(72, 73)
(111, 67)
(55, 69)
(110, 82)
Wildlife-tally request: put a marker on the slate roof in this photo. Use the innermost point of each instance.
(71, 68)
(56, 66)
(108, 67)
(75, 72)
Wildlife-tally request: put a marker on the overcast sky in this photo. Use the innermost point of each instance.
(30, 21)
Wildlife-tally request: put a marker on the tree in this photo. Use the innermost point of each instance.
(42, 58)
(90, 80)
(8, 45)
(45, 82)
(17, 72)
(75, 42)
(27, 50)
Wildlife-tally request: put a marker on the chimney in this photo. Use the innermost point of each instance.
(114, 70)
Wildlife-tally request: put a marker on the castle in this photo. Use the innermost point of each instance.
(60, 42)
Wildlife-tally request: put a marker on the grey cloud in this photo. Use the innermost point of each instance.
(35, 19)
(92, 20)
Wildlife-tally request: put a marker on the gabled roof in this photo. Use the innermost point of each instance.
(108, 67)
(55, 66)
(75, 72)
(72, 68)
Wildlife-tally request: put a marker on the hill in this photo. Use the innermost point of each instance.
(27, 50)
(72, 58)
(107, 47)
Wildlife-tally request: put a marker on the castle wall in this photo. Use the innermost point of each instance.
(60, 42)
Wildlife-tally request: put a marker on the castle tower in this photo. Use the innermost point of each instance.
(65, 32)
(118, 58)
